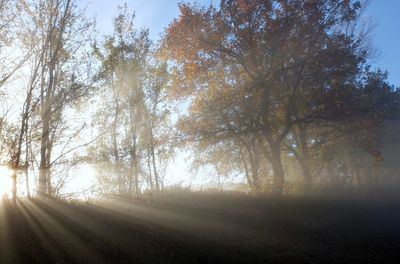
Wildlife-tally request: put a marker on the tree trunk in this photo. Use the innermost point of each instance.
(134, 164)
(114, 136)
(23, 131)
(273, 155)
(43, 163)
(14, 186)
(46, 101)
(156, 179)
(254, 167)
(304, 161)
(48, 167)
(136, 178)
(130, 182)
(28, 192)
(278, 173)
(307, 177)
(43, 147)
(246, 170)
(153, 115)
(150, 173)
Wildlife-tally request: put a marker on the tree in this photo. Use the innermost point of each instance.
(59, 31)
(253, 63)
(9, 24)
(124, 61)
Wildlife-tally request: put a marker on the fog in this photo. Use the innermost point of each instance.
(244, 129)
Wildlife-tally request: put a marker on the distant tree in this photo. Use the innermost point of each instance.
(160, 149)
(346, 137)
(132, 81)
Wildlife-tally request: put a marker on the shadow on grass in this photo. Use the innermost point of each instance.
(201, 228)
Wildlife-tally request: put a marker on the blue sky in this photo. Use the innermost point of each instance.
(386, 35)
(157, 14)
(152, 14)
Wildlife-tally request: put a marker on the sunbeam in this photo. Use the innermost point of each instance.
(5, 181)
(199, 131)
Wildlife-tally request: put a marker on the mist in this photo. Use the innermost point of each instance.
(245, 132)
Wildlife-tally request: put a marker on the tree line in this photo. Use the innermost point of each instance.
(280, 93)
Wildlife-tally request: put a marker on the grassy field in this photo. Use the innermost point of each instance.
(202, 228)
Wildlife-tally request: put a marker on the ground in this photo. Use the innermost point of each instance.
(202, 228)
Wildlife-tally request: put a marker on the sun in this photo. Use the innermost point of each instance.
(5, 181)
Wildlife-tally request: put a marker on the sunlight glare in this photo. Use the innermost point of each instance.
(82, 179)
(5, 181)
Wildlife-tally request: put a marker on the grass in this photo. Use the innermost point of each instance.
(202, 228)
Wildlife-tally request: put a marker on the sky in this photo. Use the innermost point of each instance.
(157, 14)
(152, 14)
(386, 36)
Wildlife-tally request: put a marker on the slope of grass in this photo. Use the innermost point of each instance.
(202, 228)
